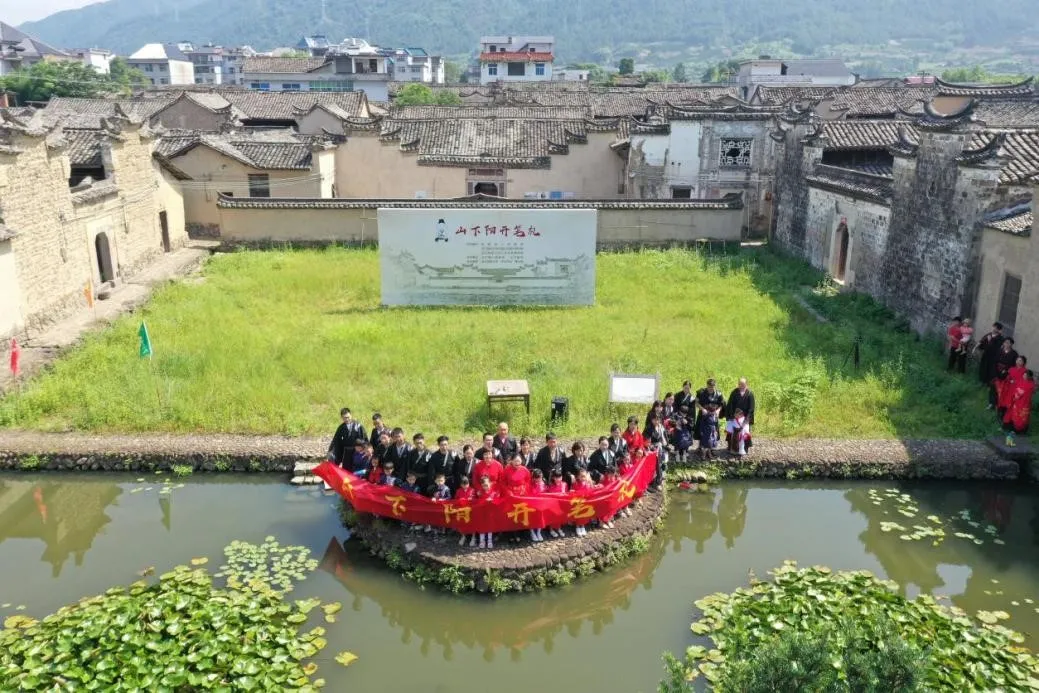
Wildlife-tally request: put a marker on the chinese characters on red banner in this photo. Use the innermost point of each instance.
(508, 513)
(504, 231)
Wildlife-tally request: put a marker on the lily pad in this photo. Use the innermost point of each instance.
(346, 658)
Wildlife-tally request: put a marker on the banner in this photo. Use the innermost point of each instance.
(507, 513)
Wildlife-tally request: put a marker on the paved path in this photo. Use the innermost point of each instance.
(40, 347)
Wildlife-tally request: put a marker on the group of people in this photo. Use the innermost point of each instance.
(1000, 368)
(503, 465)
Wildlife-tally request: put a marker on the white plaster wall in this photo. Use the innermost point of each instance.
(10, 294)
(682, 165)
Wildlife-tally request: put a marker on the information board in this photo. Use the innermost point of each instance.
(634, 389)
(483, 256)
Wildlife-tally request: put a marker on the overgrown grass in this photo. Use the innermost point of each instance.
(276, 342)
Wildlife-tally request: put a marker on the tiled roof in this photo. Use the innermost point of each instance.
(614, 103)
(462, 90)
(859, 134)
(516, 56)
(87, 113)
(731, 201)
(1017, 224)
(701, 111)
(28, 46)
(873, 168)
(777, 96)
(996, 113)
(275, 150)
(262, 64)
(549, 85)
(260, 105)
(864, 102)
(510, 112)
(1022, 150)
(852, 182)
(1022, 89)
(83, 147)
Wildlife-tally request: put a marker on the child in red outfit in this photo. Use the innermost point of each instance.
(487, 494)
(465, 494)
(557, 486)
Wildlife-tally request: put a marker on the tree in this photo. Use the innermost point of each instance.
(656, 76)
(44, 80)
(124, 74)
(452, 72)
(596, 73)
(721, 72)
(626, 66)
(678, 73)
(978, 75)
(418, 94)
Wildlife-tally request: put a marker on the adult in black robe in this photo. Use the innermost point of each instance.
(418, 462)
(577, 461)
(685, 396)
(504, 443)
(398, 453)
(617, 443)
(602, 459)
(341, 449)
(708, 398)
(464, 466)
(378, 428)
(741, 398)
(989, 346)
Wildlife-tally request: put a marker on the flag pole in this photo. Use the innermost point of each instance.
(146, 350)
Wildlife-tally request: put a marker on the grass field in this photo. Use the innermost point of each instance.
(276, 342)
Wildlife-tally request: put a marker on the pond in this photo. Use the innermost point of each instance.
(65, 537)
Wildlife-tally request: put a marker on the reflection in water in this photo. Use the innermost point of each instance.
(732, 513)
(519, 621)
(66, 517)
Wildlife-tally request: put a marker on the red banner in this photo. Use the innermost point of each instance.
(507, 513)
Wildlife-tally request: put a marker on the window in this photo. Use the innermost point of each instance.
(517, 69)
(227, 194)
(259, 185)
(539, 69)
(290, 86)
(260, 86)
(332, 85)
(164, 81)
(681, 193)
(1008, 302)
(148, 67)
(492, 69)
(492, 48)
(735, 153)
(373, 65)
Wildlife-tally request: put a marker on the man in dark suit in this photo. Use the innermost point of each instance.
(341, 449)
(418, 462)
(601, 459)
(442, 462)
(378, 428)
(398, 453)
(505, 443)
(577, 461)
(617, 444)
(526, 453)
(742, 398)
(549, 457)
(465, 464)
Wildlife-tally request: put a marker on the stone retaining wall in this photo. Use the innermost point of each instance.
(815, 458)
(434, 559)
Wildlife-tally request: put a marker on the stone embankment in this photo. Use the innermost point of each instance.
(770, 458)
(437, 559)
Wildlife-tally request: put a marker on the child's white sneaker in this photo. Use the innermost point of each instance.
(473, 542)
(461, 541)
(490, 543)
(483, 544)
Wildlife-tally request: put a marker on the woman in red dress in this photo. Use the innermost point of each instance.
(1008, 386)
(1020, 410)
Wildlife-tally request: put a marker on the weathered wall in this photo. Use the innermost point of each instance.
(317, 121)
(615, 226)
(933, 240)
(867, 224)
(1001, 254)
(170, 199)
(10, 293)
(368, 168)
(591, 171)
(794, 162)
(185, 114)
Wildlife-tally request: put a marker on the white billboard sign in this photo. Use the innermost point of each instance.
(475, 256)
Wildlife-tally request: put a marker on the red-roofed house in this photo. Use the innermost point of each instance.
(516, 58)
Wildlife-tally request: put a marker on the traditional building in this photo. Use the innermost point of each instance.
(78, 210)
(900, 208)
(19, 50)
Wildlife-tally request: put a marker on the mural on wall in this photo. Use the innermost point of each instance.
(475, 256)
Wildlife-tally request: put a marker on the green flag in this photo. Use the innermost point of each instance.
(146, 342)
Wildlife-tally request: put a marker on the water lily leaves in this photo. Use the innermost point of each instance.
(305, 606)
(346, 658)
(199, 561)
(19, 622)
(700, 628)
(331, 608)
(310, 669)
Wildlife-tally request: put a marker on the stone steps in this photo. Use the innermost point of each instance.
(302, 474)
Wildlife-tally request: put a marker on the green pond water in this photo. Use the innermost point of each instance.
(66, 537)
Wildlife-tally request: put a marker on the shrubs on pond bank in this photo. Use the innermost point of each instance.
(813, 629)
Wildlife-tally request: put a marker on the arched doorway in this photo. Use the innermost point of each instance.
(842, 238)
(104, 257)
(486, 189)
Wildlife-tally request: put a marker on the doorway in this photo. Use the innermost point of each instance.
(486, 189)
(165, 227)
(843, 239)
(104, 257)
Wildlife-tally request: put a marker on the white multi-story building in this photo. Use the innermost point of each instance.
(767, 72)
(234, 59)
(18, 50)
(416, 65)
(209, 63)
(163, 63)
(97, 58)
(353, 65)
(516, 58)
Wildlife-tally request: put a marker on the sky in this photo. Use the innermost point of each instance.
(17, 11)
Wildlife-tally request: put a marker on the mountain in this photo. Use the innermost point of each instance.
(584, 29)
